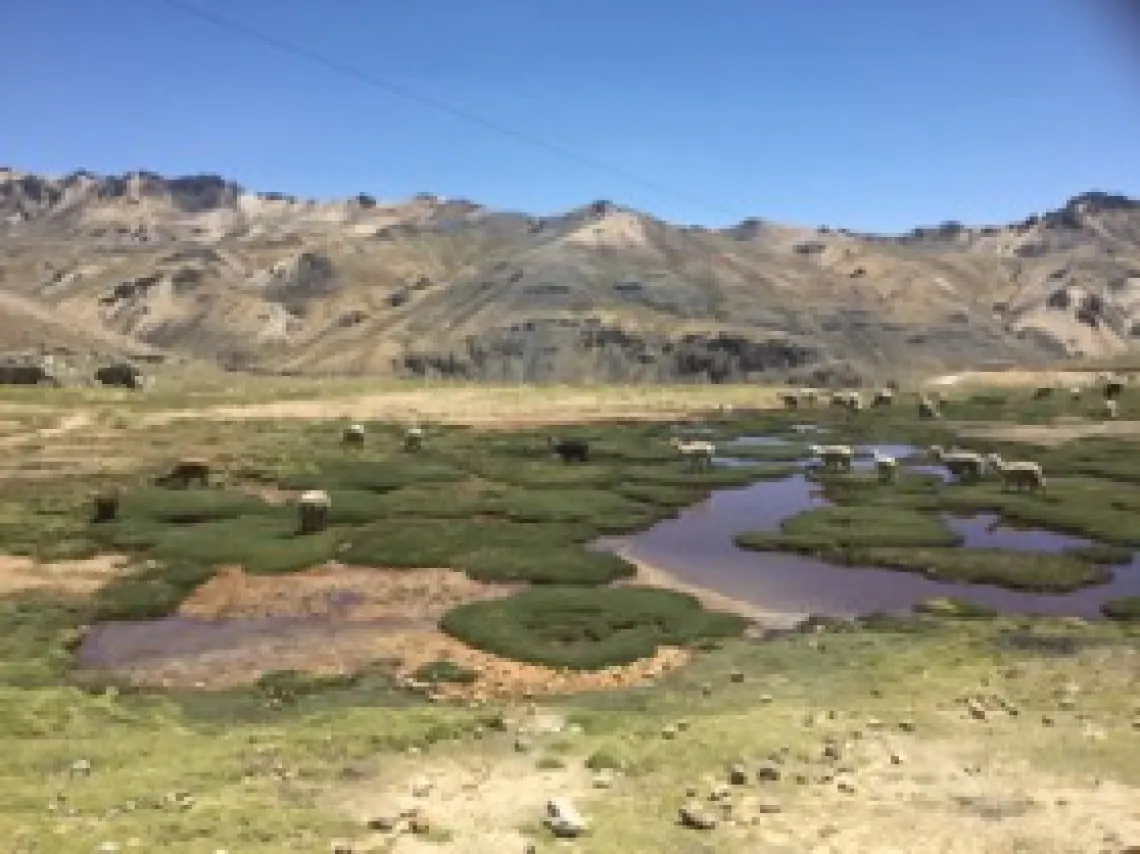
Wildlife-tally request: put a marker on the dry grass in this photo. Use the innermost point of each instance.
(70, 577)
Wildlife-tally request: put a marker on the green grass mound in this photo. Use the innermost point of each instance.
(371, 475)
(435, 543)
(1124, 610)
(679, 474)
(830, 529)
(605, 512)
(186, 506)
(1029, 571)
(569, 565)
(150, 593)
(1096, 509)
(1102, 553)
(586, 629)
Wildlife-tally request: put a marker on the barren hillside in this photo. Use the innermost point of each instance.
(199, 267)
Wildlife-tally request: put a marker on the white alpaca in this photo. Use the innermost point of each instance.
(354, 435)
(887, 467)
(699, 453)
(834, 457)
(1110, 409)
(413, 438)
(1024, 474)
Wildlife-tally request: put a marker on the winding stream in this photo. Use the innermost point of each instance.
(697, 547)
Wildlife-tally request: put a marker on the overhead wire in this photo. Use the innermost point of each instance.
(454, 110)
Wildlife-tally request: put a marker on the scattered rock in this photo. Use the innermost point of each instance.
(694, 816)
(736, 675)
(563, 819)
(768, 772)
(738, 774)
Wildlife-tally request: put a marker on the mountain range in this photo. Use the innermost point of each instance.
(199, 269)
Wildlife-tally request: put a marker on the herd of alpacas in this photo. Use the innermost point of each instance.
(964, 465)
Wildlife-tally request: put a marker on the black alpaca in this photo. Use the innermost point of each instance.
(571, 450)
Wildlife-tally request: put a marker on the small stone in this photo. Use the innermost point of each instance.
(82, 766)
(768, 772)
(692, 815)
(976, 710)
(1047, 720)
(765, 698)
(832, 751)
(682, 725)
(382, 822)
(768, 806)
(421, 788)
(874, 723)
(897, 759)
(1067, 704)
(523, 745)
(738, 774)
(907, 725)
(845, 786)
(736, 675)
(707, 689)
(108, 847)
(669, 732)
(419, 825)
(341, 847)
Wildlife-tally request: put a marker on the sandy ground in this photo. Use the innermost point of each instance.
(1015, 379)
(652, 576)
(1048, 434)
(80, 577)
(475, 407)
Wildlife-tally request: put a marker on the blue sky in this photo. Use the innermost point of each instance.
(870, 114)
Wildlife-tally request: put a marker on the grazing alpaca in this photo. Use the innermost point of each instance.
(834, 457)
(1021, 475)
(570, 450)
(963, 465)
(353, 436)
(1110, 409)
(887, 467)
(413, 438)
(1113, 389)
(699, 453)
(791, 401)
(313, 507)
(927, 408)
(107, 504)
(883, 397)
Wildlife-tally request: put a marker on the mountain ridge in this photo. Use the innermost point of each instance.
(199, 267)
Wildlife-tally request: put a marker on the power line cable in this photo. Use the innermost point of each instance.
(438, 104)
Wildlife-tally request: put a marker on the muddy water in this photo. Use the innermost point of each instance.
(697, 547)
(137, 642)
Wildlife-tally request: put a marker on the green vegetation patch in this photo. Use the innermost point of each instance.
(586, 629)
(371, 475)
(1096, 509)
(574, 565)
(829, 529)
(1030, 571)
(1125, 610)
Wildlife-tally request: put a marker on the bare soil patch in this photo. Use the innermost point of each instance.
(474, 805)
(20, 574)
(484, 408)
(351, 594)
(1048, 434)
(336, 620)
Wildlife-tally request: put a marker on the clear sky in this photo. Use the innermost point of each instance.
(870, 114)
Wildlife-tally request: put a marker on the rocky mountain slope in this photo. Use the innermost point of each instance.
(198, 267)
